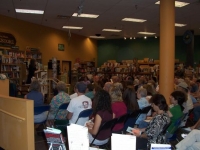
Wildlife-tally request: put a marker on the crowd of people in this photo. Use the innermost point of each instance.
(112, 97)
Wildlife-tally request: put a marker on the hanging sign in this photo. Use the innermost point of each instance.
(7, 39)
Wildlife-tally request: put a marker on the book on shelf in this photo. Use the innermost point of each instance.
(54, 139)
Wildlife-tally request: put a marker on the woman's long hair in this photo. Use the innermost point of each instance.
(129, 98)
(180, 97)
(102, 102)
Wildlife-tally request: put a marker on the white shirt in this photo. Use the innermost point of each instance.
(77, 105)
(73, 95)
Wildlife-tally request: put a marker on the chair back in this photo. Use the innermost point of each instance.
(62, 107)
(85, 113)
(135, 114)
(121, 120)
(145, 110)
(106, 126)
(40, 109)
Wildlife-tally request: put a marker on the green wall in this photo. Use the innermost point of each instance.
(120, 49)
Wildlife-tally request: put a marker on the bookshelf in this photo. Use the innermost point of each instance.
(12, 63)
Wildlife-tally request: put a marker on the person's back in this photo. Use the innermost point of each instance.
(36, 96)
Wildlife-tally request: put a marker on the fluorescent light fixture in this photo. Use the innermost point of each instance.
(97, 37)
(177, 3)
(180, 25)
(112, 30)
(147, 33)
(72, 27)
(85, 15)
(29, 11)
(133, 20)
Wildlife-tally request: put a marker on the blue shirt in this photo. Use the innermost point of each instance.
(36, 96)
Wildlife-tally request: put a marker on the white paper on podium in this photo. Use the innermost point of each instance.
(78, 137)
(160, 147)
(125, 142)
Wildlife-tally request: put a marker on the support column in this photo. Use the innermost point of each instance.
(167, 47)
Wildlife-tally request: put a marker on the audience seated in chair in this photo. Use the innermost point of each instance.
(60, 98)
(152, 134)
(102, 112)
(79, 104)
(37, 97)
(118, 106)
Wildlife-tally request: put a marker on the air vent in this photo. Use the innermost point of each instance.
(63, 17)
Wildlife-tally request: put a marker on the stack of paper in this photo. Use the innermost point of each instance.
(78, 137)
(123, 142)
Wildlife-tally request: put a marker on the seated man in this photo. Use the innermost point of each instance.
(79, 104)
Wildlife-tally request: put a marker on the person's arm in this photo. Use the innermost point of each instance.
(69, 115)
(96, 125)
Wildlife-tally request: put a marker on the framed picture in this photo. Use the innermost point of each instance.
(61, 47)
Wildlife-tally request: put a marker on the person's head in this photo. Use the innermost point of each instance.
(150, 89)
(90, 87)
(81, 87)
(182, 86)
(115, 93)
(107, 86)
(178, 97)
(35, 85)
(96, 88)
(141, 92)
(32, 62)
(102, 102)
(115, 79)
(61, 86)
(129, 98)
(158, 103)
(96, 79)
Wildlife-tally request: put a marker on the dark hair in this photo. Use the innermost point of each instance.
(129, 98)
(160, 101)
(102, 101)
(90, 87)
(32, 63)
(180, 97)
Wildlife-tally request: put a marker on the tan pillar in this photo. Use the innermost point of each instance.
(167, 47)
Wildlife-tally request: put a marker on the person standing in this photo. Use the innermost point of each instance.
(31, 71)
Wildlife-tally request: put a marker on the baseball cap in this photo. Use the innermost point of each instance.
(81, 87)
(183, 85)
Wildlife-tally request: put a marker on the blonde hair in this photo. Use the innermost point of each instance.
(115, 93)
(61, 86)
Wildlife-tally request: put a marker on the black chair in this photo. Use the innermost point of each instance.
(106, 126)
(85, 113)
(133, 116)
(121, 120)
(61, 107)
(40, 109)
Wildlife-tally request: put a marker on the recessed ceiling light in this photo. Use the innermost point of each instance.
(97, 37)
(147, 33)
(29, 11)
(177, 3)
(133, 20)
(155, 37)
(145, 37)
(180, 25)
(72, 27)
(85, 15)
(134, 38)
(130, 38)
(112, 30)
(124, 38)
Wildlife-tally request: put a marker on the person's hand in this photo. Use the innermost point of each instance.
(90, 124)
(136, 132)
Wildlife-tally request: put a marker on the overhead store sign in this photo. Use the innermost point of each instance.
(7, 39)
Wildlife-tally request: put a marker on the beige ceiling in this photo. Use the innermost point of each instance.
(110, 12)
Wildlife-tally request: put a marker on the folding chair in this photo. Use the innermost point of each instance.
(85, 113)
(121, 120)
(61, 107)
(61, 123)
(133, 116)
(39, 110)
(106, 126)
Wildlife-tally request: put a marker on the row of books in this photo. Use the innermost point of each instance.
(9, 68)
(16, 54)
(34, 56)
(12, 74)
(9, 60)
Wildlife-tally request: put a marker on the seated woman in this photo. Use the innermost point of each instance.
(37, 97)
(129, 98)
(177, 98)
(60, 98)
(102, 112)
(118, 106)
(151, 134)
